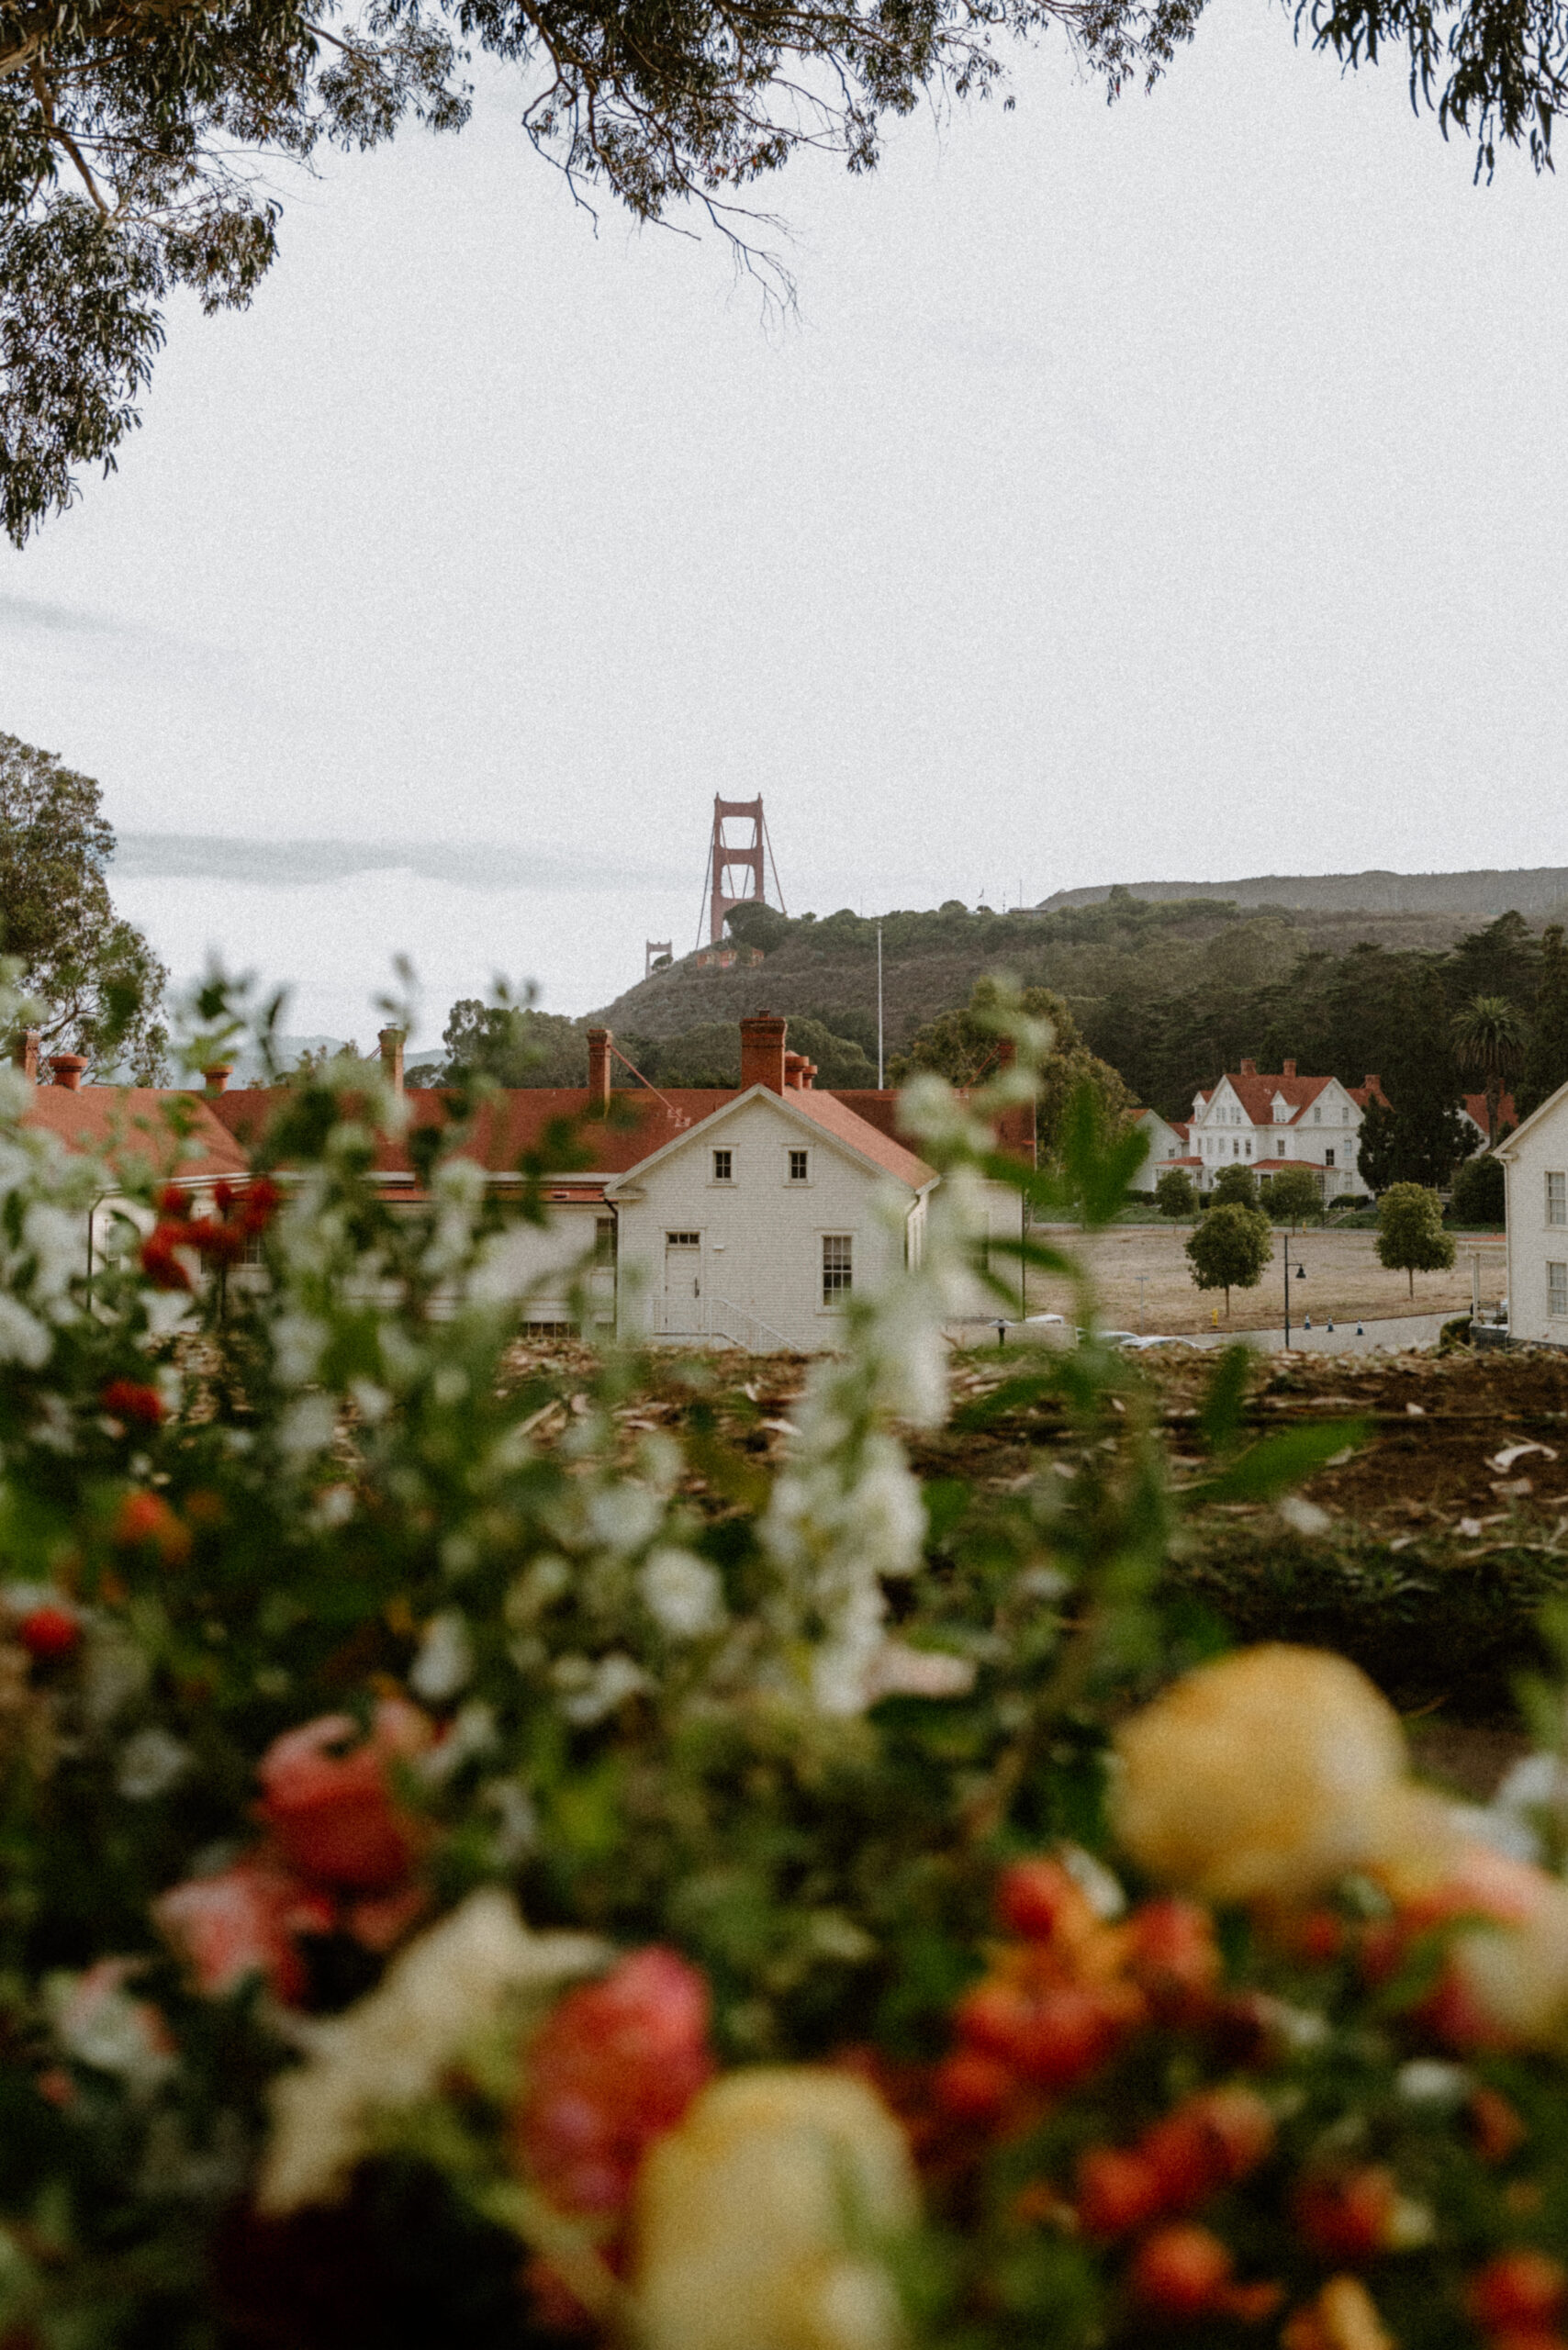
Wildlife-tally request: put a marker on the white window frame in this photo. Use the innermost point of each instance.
(802, 1179)
(1556, 1196)
(1556, 1288)
(723, 1165)
(836, 1273)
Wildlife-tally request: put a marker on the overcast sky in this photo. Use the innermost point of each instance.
(1168, 489)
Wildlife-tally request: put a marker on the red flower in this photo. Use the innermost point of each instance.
(1072, 2032)
(973, 2087)
(175, 1203)
(259, 1203)
(1172, 1952)
(47, 1632)
(144, 1518)
(161, 1259)
(129, 1399)
(243, 1922)
(615, 2065)
(329, 1803)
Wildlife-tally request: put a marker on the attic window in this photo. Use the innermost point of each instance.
(723, 1167)
(1316, 1116)
(799, 1166)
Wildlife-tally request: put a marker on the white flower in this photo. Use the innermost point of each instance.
(299, 1340)
(149, 1762)
(307, 1428)
(98, 2022)
(56, 1242)
(623, 1517)
(23, 1338)
(590, 1691)
(445, 1659)
(682, 1592)
(899, 1670)
(391, 2050)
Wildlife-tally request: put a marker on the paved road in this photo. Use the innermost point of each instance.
(1387, 1337)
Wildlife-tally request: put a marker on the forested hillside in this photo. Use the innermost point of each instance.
(1168, 993)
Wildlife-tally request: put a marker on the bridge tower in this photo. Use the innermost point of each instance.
(743, 857)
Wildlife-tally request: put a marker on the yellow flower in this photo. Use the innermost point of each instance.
(757, 2219)
(1263, 1777)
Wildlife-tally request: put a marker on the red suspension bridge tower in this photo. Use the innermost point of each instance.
(743, 857)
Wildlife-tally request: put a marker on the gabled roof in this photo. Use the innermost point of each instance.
(1256, 1095)
(1510, 1143)
(1363, 1096)
(174, 1132)
(811, 1110)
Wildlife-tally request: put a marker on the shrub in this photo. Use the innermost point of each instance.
(1291, 1196)
(1235, 1186)
(1478, 1191)
(1176, 1195)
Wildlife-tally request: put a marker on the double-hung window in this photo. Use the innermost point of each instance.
(723, 1167)
(799, 1166)
(1557, 1199)
(1557, 1289)
(838, 1266)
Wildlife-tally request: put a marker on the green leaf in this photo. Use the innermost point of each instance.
(1276, 1463)
(1219, 1414)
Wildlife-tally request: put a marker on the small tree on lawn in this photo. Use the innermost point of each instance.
(1291, 1196)
(1410, 1236)
(1234, 1187)
(1230, 1248)
(1175, 1195)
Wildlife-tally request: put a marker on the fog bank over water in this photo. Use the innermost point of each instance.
(462, 915)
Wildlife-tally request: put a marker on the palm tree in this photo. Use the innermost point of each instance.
(1489, 1037)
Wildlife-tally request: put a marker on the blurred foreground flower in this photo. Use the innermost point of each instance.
(758, 2219)
(391, 2050)
(1264, 1777)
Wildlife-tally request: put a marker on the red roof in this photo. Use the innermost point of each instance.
(175, 1132)
(511, 1124)
(1476, 1108)
(1257, 1093)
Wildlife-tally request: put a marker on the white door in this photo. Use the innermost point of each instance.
(683, 1283)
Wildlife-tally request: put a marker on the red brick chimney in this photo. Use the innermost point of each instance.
(391, 1041)
(1248, 1068)
(1290, 1069)
(598, 1043)
(67, 1068)
(217, 1077)
(762, 1051)
(1372, 1085)
(28, 1055)
(795, 1067)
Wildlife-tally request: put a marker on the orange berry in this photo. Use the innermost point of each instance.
(1040, 1899)
(147, 1518)
(1517, 2289)
(994, 2016)
(1072, 2034)
(1172, 1953)
(1346, 2215)
(972, 2087)
(1180, 2271)
(1118, 2189)
(48, 1633)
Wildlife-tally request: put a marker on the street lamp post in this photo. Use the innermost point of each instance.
(1301, 1276)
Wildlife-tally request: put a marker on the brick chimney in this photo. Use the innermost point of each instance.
(1290, 1069)
(1372, 1085)
(1248, 1068)
(67, 1069)
(795, 1067)
(391, 1041)
(762, 1051)
(598, 1043)
(216, 1079)
(28, 1055)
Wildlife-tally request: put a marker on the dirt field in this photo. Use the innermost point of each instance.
(1344, 1281)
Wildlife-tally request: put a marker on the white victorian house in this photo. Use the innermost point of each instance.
(1255, 1118)
(1535, 1164)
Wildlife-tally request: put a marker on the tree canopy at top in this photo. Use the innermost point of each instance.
(135, 134)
